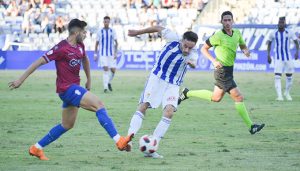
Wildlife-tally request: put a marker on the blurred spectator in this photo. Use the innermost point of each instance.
(46, 26)
(3, 4)
(12, 9)
(26, 25)
(59, 25)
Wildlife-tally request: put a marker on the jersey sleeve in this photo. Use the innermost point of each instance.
(169, 35)
(292, 35)
(213, 40)
(271, 36)
(98, 37)
(54, 53)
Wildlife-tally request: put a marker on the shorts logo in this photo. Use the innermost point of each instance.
(77, 92)
(172, 98)
(74, 62)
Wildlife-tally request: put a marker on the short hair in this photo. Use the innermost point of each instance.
(106, 17)
(226, 13)
(281, 18)
(190, 36)
(76, 23)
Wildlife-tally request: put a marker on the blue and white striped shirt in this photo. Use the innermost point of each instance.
(171, 63)
(106, 38)
(282, 44)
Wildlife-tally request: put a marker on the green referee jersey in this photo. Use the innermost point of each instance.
(225, 45)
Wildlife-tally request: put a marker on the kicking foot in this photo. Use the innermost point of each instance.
(183, 95)
(123, 142)
(39, 153)
(110, 87)
(256, 128)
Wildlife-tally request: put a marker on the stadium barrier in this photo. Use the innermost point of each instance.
(140, 60)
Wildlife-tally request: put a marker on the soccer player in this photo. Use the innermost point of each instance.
(162, 86)
(283, 59)
(68, 56)
(225, 43)
(107, 54)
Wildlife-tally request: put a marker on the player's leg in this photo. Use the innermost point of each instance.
(68, 119)
(112, 66)
(289, 70)
(236, 95)
(91, 102)
(278, 67)
(105, 78)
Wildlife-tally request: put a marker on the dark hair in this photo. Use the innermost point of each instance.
(281, 18)
(190, 36)
(106, 17)
(76, 23)
(226, 13)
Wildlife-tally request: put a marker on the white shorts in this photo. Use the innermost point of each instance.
(284, 66)
(158, 91)
(108, 61)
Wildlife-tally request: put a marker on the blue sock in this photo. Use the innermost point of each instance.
(53, 134)
(106, 122)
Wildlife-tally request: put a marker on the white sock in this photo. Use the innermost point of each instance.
(116, 138)
(136, 122)
(288, 84)
(278, 85)
(111, 76)
(105, 79)
(162, 128)
(37, 145)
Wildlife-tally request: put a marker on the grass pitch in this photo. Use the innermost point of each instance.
(202, 135)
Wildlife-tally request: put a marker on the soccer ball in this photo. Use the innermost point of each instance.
(148, 144)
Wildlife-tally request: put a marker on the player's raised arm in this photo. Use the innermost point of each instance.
(36, 64)
(152, 29)
(87, 70)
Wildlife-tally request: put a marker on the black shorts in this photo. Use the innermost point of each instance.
(224, 78)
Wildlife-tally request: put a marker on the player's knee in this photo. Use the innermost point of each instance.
(169, 111)
(216, 99)
(239, 98)
(143, 107)
(68, 126)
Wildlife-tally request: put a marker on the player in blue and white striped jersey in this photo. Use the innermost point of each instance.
(106, 56)
(162, 86)
(283, 61)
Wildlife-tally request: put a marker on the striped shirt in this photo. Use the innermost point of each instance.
(171, 63)
(106, 38)
(282, 44)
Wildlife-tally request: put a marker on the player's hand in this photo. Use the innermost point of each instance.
(14, 84)
(133, 33)
(95, 57)
(217, 64)
(246, 52)
(88, 85)
(269, 59)
(296, 56)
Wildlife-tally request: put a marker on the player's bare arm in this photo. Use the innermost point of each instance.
(116, 49)
(206, 53)
(86, 68)
(96, 51)
(297, 49)
(269, 51)
(152, 29)
(36, 64)
(191, 63)
(245, 50)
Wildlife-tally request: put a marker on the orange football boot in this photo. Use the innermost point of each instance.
(39, 153)
(123, 142)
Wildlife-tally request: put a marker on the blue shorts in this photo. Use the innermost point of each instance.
(72, 96)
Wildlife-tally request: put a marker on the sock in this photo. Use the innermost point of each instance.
(278, 85)
(162, 128)
(111, 76)
(241, 108)
(136, 122)
(107, 123)
(53, 134)
(105, 79)
(288, 84)
(202, 94)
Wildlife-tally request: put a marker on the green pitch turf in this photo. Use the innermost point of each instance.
(202, 135)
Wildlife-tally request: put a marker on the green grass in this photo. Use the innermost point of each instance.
(202, 136)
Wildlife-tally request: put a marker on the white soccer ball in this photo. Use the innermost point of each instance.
(148, 144)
